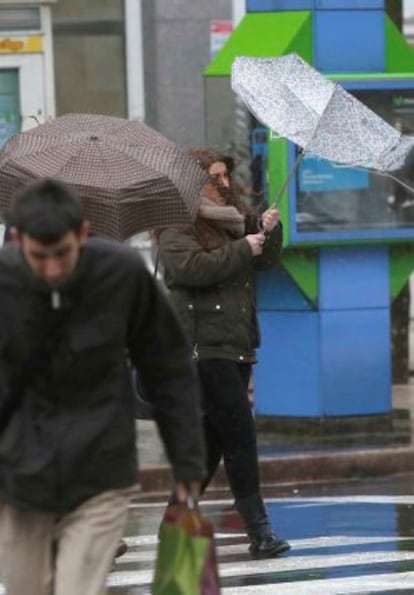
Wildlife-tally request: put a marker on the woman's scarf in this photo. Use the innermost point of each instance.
(227, 218)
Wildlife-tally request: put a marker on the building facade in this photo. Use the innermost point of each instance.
(131, 58)
(95, 66)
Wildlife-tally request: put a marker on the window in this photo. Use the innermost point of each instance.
(20, 19)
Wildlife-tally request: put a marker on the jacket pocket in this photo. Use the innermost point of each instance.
(212, 323)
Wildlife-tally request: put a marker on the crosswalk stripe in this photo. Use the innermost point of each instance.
(299, 563)
(375, 499)
(312, 542)
(298, 501)
(278, 565)
(361, 584)
(152, 539)
(148, 554)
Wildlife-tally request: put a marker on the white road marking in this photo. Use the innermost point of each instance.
(300, 501)
(363, 584)
(148, 553)
(277, 565)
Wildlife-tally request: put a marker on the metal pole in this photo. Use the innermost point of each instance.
(49, 68)
(134, 60)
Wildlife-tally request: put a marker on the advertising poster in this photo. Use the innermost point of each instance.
(320, 175)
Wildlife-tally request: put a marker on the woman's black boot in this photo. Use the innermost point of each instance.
(263, 542)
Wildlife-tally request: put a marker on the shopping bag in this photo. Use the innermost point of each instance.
(186, 557)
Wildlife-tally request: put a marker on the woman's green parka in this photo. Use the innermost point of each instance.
(214, 291)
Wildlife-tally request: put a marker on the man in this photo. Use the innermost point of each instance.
(73, 310)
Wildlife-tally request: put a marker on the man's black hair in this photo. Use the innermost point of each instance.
(46, 211)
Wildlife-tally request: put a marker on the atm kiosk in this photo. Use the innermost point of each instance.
(325, 316)
(348, 233)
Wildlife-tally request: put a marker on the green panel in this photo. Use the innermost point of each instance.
(302, 42)
(370, 76)
(399, 55)
(401, 267)
(260, 34)
(277, 172)
(302, 266)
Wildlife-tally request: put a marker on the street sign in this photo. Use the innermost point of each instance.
(220, 31)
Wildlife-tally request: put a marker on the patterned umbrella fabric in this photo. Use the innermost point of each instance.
(299, 103)
(128, 175)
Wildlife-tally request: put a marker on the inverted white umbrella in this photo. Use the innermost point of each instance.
(297, 102)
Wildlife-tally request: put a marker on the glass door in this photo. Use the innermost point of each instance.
(10, 119)
(22, 93)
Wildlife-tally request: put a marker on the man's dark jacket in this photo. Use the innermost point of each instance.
(70, 432)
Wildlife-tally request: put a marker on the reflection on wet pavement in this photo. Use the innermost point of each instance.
(341, 544)
(346, 538)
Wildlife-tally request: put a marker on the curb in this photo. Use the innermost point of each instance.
(304, 467)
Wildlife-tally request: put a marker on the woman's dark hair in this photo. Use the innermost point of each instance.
(205, 158)
(46, 211)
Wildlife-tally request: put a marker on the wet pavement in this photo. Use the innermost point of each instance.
(349, 537)
(289, 458)
(273, 444)
(374, 447)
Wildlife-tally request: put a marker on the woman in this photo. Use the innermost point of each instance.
(209, 270)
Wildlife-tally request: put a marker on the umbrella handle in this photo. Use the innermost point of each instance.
(289, 177)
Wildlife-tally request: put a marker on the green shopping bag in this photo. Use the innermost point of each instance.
(186, 557)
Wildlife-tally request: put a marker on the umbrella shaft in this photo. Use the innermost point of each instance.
(289, 177)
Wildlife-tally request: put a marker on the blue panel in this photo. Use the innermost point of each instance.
(349, 4)
(275, 5)
(355, 362)
(277, 291)
(354, 277)
(309, 519)
(286, 379)
(333, 31)
(320, 175)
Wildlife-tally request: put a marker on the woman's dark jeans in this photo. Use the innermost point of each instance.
(229, 425)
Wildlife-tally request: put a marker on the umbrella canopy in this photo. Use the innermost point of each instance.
(297, 102)
(129, 176)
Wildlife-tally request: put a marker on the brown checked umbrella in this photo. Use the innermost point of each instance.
(129, 176)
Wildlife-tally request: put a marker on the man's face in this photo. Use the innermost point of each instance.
(52, 263)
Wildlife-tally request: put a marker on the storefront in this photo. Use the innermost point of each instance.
(26, 66)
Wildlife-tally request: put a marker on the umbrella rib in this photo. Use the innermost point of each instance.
(321, 116)
(41, 150)
(67, 163)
